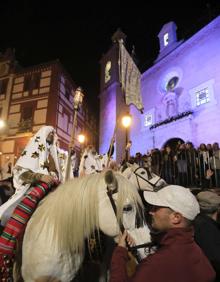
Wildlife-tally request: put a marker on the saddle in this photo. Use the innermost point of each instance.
(15, 227)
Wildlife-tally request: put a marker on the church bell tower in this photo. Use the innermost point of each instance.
(112, 103)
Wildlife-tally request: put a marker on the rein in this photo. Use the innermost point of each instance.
(145, 245)
(110, 193)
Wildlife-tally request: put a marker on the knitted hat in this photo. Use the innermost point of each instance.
(208, 201)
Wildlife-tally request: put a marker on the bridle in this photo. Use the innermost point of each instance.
(134, 249)
(153, 185)
(110, 194)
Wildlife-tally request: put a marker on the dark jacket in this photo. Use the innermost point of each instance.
(179, 259)
(207, 236)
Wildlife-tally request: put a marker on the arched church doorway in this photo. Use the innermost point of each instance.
(173, 142)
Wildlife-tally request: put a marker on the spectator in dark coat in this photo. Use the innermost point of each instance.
(207, 232)
(179, 258)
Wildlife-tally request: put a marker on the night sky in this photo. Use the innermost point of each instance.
(41, 31)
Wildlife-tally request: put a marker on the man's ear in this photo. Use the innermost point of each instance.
(176, 217)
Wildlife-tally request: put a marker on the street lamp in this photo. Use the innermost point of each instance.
(78, 98)
(77, 102)
(2, 124)
(81, 138)
(126, 122)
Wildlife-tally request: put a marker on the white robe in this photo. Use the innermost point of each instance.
(89, 163)
(63, 157)
(32, 158)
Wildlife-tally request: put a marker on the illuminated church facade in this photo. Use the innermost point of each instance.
(180, 93)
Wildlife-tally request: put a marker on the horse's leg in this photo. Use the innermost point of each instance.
(103, 273)
(17, 268)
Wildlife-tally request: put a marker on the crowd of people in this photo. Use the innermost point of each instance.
(176, 215)
(189, 236)
(184, 165)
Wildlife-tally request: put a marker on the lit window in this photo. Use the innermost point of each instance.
(107, 71)
(166, 39)
(202, 97)
(203, 94)
(148, 119)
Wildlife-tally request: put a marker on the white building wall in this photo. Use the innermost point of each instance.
(196, 63)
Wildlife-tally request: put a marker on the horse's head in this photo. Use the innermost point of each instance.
(142, 178)
(119, 205)
(122, 209)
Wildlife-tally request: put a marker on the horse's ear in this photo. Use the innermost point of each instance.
(111, 180)
(127, 173)
(133, 166)
(129, 164)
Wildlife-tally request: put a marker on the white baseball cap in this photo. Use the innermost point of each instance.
(178, 198)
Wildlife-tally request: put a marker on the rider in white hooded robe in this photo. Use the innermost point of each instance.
(38, 162)
(91, 162)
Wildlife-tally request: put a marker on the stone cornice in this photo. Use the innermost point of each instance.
(171, 119)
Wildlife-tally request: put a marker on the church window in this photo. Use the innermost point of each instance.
(148, 119)
(166, 39)
(107, 71)
(202, 96)
(172, 83)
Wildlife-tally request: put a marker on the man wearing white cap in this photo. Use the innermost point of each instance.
(178, 258)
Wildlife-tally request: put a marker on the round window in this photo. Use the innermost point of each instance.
(172, 83)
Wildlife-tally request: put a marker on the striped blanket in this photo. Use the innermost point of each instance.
(15, 227)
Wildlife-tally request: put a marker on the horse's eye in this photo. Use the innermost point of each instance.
(143, 172)
(127, 208)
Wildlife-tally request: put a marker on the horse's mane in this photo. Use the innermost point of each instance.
(71, 211)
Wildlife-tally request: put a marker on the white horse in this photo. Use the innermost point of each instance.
(142, 178)
(54, 240)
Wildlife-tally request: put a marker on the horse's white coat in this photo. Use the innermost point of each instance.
(42, 255)
(140, 176)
